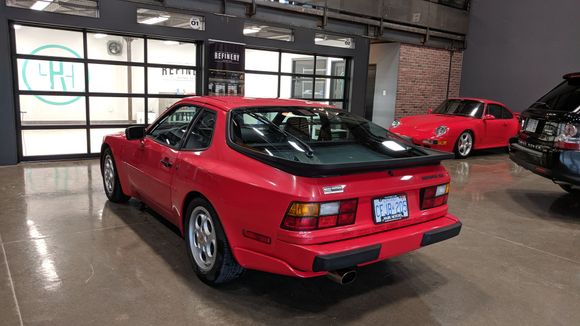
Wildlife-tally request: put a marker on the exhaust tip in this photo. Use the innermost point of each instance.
(343, 277)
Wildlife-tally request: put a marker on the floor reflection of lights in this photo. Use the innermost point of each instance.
(47, 268)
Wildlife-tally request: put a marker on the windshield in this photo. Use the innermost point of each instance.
(467, 108)
(315, 135)
(565, 97)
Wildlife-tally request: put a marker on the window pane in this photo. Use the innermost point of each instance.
(157, 106)
(115, 79)
(202, 131)
(171, 52)
(334, 40)
(302, 87)
(98, 134)
(57, 76)
(268, 32)
(261, 60)
(111, 47)
(297, 63)
(321, 88)
(285, 87)
(170, 19)
(173, 127)
(43, 110)
(48, 42)
(54, 142)
(171, 81)
(330, 66)
(88, 8)
(329, 88)
(257, 85)
(118, 110)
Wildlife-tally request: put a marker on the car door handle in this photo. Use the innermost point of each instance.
(166, 162)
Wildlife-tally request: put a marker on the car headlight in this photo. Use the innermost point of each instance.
(395, 123)
(441, 130)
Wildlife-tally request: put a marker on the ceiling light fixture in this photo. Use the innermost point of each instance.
(252, 30)
(100, 35)
(154, 20)
(41, 5)
(170, 42)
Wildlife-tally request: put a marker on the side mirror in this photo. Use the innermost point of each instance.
(488, 117)
(429, 110)
(135, 132)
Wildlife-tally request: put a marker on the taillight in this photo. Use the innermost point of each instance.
(569, 137)
(314, 216)
(434, 196)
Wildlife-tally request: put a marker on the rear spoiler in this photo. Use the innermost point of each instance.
(431, 157)
(572, 75)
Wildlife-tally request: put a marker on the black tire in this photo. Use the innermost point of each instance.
(224, 268)
(570, 190)
(460, 151)
(114, 191)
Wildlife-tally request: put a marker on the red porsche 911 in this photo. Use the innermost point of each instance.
(461, 125)
(283, 186)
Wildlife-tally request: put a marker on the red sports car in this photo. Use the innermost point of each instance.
(461, 125)
(283, 186)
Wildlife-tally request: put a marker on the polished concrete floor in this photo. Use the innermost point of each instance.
(68, 257)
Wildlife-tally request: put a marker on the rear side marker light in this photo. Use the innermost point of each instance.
(314, 216)
(257, 236)
(434, 196)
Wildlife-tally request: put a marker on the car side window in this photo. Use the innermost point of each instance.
(494, 110)
(201, 132)
(173, 128)
(506, 114)
(499, 112)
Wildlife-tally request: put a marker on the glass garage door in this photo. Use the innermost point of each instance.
(74, 87)
(292, 75)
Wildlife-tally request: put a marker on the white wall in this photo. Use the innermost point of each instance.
(386, 57)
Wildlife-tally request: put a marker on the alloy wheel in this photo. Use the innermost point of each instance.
(202, 238)
(465, 144)
(109, 174)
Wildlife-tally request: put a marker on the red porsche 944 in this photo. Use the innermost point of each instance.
(284, 186)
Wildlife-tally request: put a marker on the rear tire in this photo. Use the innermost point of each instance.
(570, 190)
(111, 182)
(464, 145)
(207, 246)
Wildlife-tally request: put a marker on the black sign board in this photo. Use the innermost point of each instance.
(226, 56)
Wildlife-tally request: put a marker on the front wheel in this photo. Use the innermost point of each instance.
(111, 181)
(464, 145)
(207, 246)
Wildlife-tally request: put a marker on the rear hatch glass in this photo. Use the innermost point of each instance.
(315, 141)
(545, 118)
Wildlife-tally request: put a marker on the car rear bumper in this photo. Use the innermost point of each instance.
(315, 260)
(560, 167)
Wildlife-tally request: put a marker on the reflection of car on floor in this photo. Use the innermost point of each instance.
(282, 186)
(549, 143)
(466, 176)
(461, 125)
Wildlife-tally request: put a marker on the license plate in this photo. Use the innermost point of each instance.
(532, 125)
(390, 208)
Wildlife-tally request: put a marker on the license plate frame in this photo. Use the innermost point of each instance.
(532, 125)
(381, 204)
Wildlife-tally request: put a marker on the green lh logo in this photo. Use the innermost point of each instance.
(51, 75)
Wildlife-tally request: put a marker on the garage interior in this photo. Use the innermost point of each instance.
(76, 70)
